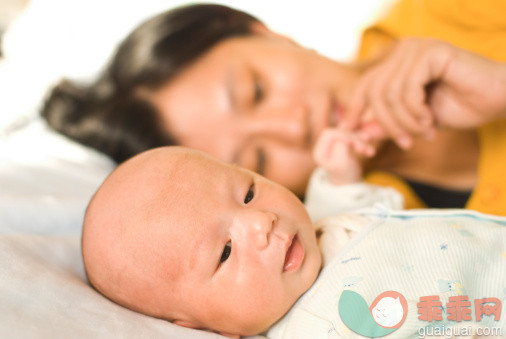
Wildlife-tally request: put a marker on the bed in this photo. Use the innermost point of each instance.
(46, 180)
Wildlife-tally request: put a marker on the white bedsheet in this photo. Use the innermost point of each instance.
(44, 294)
(46, 180)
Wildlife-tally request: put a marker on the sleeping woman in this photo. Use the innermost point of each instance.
(218, 80)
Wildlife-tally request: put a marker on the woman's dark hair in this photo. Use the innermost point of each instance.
(109, 115)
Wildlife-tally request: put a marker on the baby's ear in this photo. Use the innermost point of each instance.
(185, 323)
(230, 335)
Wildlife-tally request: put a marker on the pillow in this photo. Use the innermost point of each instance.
(46, 179)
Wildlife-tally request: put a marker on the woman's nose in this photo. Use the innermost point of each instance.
(254, 227)
(289, 124)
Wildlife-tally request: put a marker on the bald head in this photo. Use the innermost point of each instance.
(121, 229)
(179, 235)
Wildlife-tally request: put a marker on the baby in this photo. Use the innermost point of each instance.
(176, 234)
(179, 235)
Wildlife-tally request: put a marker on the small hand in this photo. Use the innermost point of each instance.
(340, 152)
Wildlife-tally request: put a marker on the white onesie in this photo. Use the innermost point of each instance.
(453, 260)
(324, 199)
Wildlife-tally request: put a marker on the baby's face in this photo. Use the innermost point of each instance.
(223, 248)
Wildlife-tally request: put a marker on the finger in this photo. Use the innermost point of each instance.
(430, 67)
(383, 92)
(415, 97)
(355, 140)
(415, 100)
(323, 147)
(362, 147)
(415, 72)
(402, 61)
(358, 102)
(385, 118)
(372, 131)
(404, 115)
(344, 165)
(396, 89)
(339, 161)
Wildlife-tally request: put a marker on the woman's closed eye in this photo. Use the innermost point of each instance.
(226, 252)
(258, 94)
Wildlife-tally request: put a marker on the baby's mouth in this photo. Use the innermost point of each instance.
(294, 255)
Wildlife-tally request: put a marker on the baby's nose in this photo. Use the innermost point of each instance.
(261, 227)
(255, 228)
(260, 233)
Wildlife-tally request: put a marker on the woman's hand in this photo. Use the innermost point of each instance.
(424, 83)
(339, 153)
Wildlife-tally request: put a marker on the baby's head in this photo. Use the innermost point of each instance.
(179, 235)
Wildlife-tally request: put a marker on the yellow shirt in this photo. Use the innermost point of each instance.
(478, 26)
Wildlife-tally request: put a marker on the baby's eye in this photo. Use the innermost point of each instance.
(226, 252)
(250, 194)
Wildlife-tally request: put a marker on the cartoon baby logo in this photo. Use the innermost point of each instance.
(387, 309)
(385, 315)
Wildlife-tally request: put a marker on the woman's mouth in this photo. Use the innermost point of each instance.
(294, 255)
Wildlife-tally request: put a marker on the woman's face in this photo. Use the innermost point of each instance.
(260, 101)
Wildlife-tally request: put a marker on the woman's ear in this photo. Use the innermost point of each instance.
(259, 28)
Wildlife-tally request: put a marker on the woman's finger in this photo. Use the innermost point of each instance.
(405, 60)
(358, 103)
(384, 115)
